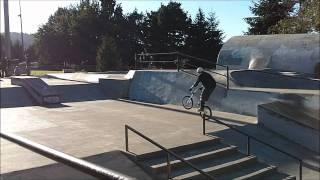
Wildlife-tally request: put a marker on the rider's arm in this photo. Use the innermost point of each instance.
(196, 83)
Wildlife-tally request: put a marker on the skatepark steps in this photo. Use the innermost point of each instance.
(291, 123)
(40, 91)
(220, 160)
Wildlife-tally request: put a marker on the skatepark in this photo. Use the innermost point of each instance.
(265, 122)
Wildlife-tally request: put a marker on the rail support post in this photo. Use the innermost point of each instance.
(135, 61)
(248, 145)
(227, 77)
(168, 166)
(300, 169)
(126, 139)
(203, 125)
(178, 63)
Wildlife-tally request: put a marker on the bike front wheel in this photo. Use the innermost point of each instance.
(187, 102)
(206, 113)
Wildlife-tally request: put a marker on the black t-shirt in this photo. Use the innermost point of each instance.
(206, 80)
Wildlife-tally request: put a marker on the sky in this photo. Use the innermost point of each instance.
(230, 13)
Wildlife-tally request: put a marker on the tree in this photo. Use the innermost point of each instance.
(2, 48)
(52, 40)
(108, 57)
(268, 14)
(86, 31)
(305, 20)
(204, 39)
(16, 50)
(165, 29)
(134, 27)
(31, 53)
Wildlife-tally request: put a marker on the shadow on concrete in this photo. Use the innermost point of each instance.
(266, 153)
(56, 106)
(114, 160)
(231, 121)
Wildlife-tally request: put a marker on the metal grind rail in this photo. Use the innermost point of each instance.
(249, 137)
(180, 61)
(169, 152)
(96, 171)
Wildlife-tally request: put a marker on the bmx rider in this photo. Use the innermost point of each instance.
(209, 84)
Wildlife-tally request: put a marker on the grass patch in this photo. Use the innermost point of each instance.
(42, 72)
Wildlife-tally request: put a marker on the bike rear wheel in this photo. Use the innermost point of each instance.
(187, 102)
(206, 113)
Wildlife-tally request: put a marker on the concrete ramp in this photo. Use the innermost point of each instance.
(274, 79)
(164, 87)
(40, 91)
(290, 52)
(292, 124)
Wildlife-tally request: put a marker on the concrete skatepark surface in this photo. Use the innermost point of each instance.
(95, 125)
(88, 123)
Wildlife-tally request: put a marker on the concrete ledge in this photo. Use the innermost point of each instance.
(115, 88)
(266, 79)
(298, 115)
(290, 129)
(68, 70)
(38, 89)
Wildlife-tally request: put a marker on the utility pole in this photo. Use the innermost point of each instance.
(7, 30)
(22, 42)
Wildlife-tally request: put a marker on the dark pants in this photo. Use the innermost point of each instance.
(205, 96)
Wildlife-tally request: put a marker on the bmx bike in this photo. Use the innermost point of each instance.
(187, 102)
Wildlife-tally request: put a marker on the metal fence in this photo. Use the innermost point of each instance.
(179, 61)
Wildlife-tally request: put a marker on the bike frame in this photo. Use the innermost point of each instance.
(195, 91)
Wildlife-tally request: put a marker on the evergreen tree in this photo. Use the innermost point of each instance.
(204, 38)
(165, 29)
(86, 31)
(306, 19)
(16, 50)
(134, 28)
(108, 57)
(268, 14)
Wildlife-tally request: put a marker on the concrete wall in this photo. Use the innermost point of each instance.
(265, 79)
(282, 125)
(115, 88)
(170, 87)
(290, 52)
(38, 89)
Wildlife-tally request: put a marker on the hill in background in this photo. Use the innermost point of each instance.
(28, 38)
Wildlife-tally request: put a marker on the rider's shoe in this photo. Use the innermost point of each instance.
(200, 109)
